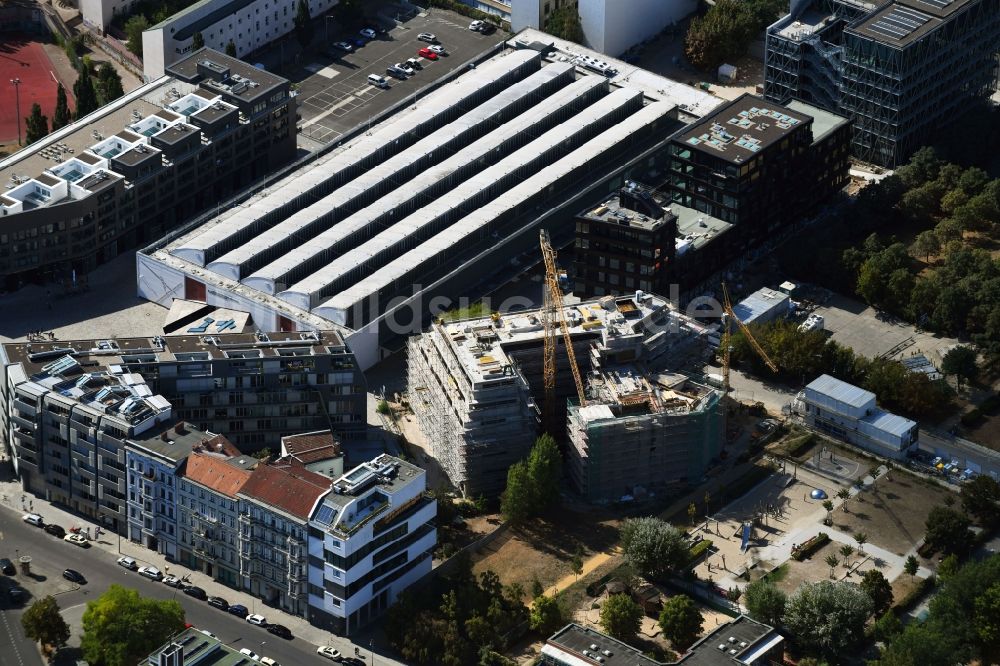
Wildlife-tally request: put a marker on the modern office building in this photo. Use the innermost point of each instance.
(639, 434)
(901, 70)
(248, 24)
(441, 196)
(153, 463)
(739, 642)
(370, 538)
(140, 166)
(474, 384)
(256, 388)
(208, 510)
(759, 166)
(849, 413)
(275, 505)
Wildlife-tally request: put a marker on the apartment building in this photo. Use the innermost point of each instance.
(153, 464)
(901, 70)
(140, 166)
(370, 538)
(275, 505)
(318, 452)
(208, 510)
(248, 24)
(639, 434)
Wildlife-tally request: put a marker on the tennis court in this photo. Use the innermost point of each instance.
(23, 58)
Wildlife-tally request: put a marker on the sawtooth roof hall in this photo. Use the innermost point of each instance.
(437, 198)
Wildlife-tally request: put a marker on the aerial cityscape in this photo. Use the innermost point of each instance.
(500, 332)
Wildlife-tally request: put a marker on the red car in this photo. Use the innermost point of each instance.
(427, 53)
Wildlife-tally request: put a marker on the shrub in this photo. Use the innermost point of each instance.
(804, 550)
(697, 550)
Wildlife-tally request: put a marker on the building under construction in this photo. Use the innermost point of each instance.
(901, 69)
(640, 434)
(474, 384)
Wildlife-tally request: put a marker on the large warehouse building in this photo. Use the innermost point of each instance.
(378, 234)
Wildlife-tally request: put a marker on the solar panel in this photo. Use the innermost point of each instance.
(938, 4)
(325, 514)
(899, 22)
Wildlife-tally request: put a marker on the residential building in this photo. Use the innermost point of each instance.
(99, 13)
(849, 413)
(608, 27)
(275, 505)
(193, 647)
(901, 70)
(208, 511)
(640, 434)
(739, 642)
(140, 166)
(370, 538)
(248, 24)
(154, 460)
(474, 384)
(426, 205)
(759, 166)
(318, 452)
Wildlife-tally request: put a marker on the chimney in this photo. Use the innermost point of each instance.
(179, 428)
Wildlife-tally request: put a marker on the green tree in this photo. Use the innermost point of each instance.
(43, 624)
(888, 627)
(926, 243)
(546, 616)
(109, 84)
(861, 539)
(120, 628)
(61, 116)
(303, 23)
(518, 502)
(981, 498)
(231, 49)
(488, 657)
(653, 546)
(621, 617)
(961, 362)
(564, 23)
(197, 41)
(765, 602)
(911, 565)
(134, 28)
(986, 619)
(948, 531)
(544, 464)
(681, 621)
(832, 562)
(576, 563)
(846, 552)
(85, 94)
(948, 567)
(878, 589)
(536, 588)
(828, 617)
(36, 126)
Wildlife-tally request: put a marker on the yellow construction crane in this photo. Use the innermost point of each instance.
(552, 311)
(727, 308)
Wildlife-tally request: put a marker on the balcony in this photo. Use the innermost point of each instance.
(24, 408)
(88, 476)
(24, 437)
(117, 485)
(23, 422)
(348, 527)
(86, 458)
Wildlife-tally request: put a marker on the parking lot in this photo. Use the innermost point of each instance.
(333, 89)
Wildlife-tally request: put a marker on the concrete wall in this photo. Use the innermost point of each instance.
(99, 13)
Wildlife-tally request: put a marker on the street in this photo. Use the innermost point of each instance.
(50, 556)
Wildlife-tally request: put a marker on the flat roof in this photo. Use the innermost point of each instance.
(172, 440)
(903, 22)
(839, 390)
(187, 70)
(612, 211)
(740, 130)
(733, 643)
(696, 229)
(889, 422)
(200, 649)
(759, 303)
(579, 646)
(824, 122)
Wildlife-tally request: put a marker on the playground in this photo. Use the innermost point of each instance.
(24, 58)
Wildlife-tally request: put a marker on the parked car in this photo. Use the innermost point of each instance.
(17, 594)
(280, 631)
(359, 42)
(406, 68)
(33, 519)
(218, 602)
(250, 653)
(378, 81)
(195, 591)
(267, 661)
(128, 563)
(476, 26)
(172, 581)
(7, 567)
(329, 653)
(427, 53)
(55, 530)
(238, 610)
(74, 576)
(208, 633)
(488, 28)
(77, 540)
(438, 49)
(428, 37)
(343, 46)
(151, 572)
(257, 620)
(368, 33)
(396, 71)
(414, 64)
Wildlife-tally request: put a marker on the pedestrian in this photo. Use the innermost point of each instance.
(31, 505)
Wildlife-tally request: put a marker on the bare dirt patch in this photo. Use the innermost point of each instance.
(808, 571)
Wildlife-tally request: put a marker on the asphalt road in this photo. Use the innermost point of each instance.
(50, 556)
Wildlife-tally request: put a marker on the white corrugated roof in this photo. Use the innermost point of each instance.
(832, 387)
(758, 304)
(889, 422)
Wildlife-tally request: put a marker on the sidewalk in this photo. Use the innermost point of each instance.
(10, 500)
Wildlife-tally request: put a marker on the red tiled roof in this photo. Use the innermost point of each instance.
(219, 444)
(214, 472)
(311, 447)
(289, 487)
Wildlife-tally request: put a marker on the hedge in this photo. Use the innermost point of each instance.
(804, 550)
(697, 550)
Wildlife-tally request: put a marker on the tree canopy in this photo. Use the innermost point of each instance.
(726, 30)
(108, 85)
(564, 23)
(85, 93)
(120, 628)
(878, 589)
(681, 621)
(532, 484)
(546, 616)
(134, 28)
(981, 498)
(303, 23)
(828, 618)
(961, 362)
(653, 546)
(765, 602)
(197, 40)
(43, 624)
(61, 116)
(948, 531)
(36, 126)
(621, 617)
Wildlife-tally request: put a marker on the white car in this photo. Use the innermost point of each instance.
(33, 519)
(368, 33)
(128, 563)
(257, 620)
(475, 26)
(172, 581)
(329, 653)
(267, 661)
(77, 540)
(414, 64)
(246, 652)
(437, 48)
(428, 37)
(151, 572)
(343, 46)
(208, 633)
(405, 68)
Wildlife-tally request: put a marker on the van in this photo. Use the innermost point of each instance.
(378, 81)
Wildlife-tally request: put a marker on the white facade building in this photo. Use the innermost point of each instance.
(370, 538)
(249, 24)
(99, 13)
(850, 413)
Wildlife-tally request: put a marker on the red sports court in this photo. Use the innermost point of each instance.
(25, 59)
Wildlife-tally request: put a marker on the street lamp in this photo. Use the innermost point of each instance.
(16, 82)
